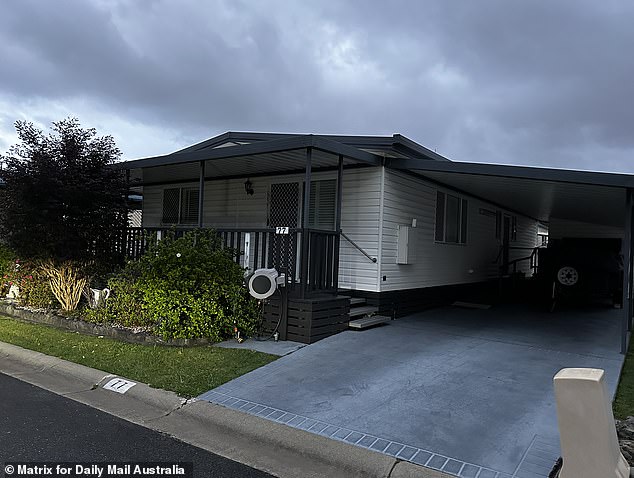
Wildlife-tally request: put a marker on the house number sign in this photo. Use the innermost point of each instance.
(282, 230)
(119, 385)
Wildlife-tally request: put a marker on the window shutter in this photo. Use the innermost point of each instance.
(189, 209)
(464, 210)
(171, 205)
(440, 216)
(321, 213)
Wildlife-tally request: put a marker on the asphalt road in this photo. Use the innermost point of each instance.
(37, 425)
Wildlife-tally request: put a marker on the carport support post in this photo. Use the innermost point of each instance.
(201, 193)
(335, 266)
(631, 279)
(626, 248)
(305, 214)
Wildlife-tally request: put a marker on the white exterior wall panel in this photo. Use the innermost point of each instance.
(437, 264)
(360, 222)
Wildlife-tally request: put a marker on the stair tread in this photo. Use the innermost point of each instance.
(366, 309)
(365, 322)
(357, 300)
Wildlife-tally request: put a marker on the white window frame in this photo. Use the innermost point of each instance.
(462, 226)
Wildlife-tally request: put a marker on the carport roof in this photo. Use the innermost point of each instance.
(541, 193)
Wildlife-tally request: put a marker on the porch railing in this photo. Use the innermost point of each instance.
(308, 257)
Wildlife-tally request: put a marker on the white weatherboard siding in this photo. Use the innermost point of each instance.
(227, 205)
(360, 222)
(437, 264)
(558, 228)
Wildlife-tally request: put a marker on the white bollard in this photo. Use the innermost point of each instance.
(589, 446)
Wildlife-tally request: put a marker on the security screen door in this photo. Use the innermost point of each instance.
(284, 212)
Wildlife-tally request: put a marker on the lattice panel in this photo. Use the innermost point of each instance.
(171, 205)
(284, 207)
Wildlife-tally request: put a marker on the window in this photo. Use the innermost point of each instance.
(451, 218)
(180, 205)
(323, 200)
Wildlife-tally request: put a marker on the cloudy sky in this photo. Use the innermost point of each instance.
(534, 82)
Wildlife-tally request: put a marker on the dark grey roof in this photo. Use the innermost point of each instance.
(541, 193)
(522, 172)
(368, 149)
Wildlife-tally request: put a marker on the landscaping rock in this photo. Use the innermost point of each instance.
(625, 433)
(625, 428)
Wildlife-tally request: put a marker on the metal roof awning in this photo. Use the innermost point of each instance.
(235, 154)
(283, 154)
(540, 193)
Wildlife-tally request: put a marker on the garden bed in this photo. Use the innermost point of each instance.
(54, 319)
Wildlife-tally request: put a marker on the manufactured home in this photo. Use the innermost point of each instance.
(381, 220)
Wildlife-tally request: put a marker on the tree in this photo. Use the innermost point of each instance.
(61, 197)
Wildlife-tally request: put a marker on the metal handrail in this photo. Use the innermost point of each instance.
(532, 257)
(373, 259)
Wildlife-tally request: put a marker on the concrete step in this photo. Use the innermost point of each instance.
(357, 301)
(360, 311)
(365, 322)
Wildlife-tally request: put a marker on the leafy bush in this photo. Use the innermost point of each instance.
(7, 267)
(60, 198)
(35, 289)
(186, 288)
(125, 306)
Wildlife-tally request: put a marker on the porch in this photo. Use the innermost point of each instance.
(309, 258)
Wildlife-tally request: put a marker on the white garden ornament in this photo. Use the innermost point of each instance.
(14, 292)
(99, 296)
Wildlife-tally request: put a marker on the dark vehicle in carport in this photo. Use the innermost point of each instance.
(581, 270)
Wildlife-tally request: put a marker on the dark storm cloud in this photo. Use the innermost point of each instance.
(539, 82)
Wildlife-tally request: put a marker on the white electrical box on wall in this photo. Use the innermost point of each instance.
(405, 245)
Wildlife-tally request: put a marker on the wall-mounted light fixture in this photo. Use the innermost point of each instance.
(248, 187)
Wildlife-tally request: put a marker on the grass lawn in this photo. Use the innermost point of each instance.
(187, 371)
(624, 401)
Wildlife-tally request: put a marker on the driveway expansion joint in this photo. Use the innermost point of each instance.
(396, 462)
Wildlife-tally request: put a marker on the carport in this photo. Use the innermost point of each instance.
(600, 202)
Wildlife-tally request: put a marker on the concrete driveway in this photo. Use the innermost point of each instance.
(462, 390)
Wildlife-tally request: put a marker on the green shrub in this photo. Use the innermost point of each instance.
(186, 288)
(7, 268)
(125, 306)
(34, 285)
(7, 258)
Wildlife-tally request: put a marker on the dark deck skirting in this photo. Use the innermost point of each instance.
(399, 303)
(308, 320)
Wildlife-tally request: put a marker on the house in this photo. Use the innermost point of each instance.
(380, 218)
